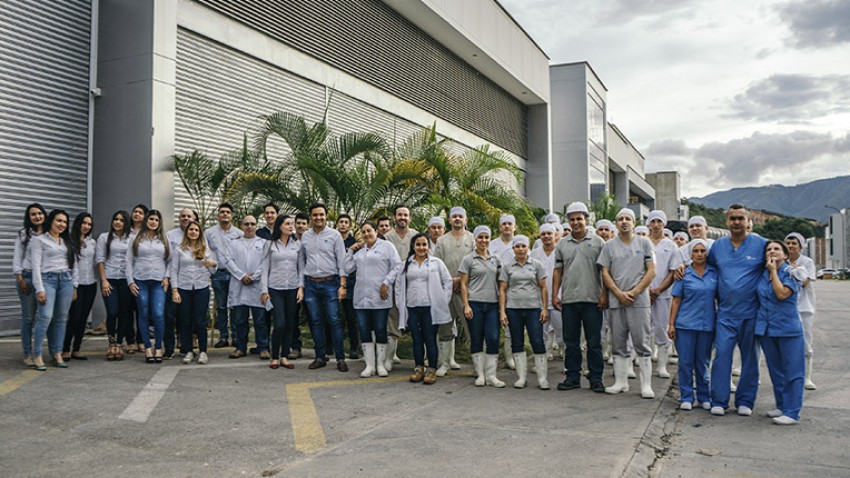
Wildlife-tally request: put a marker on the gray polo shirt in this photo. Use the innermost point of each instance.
(581, 280)
(483, 275)
(523, 287)
(452, 251)
(627, 265)
(402, 244)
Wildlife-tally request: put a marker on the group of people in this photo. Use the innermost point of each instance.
(613, 289)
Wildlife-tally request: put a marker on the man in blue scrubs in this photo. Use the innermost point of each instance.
(739, 259)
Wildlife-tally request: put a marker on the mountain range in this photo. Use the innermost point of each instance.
(803, 200)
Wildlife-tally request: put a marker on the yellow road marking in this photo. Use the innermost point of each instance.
(18, 381)
(306, 426)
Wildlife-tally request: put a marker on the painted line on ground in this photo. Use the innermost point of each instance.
(307, 429)
(18, 381)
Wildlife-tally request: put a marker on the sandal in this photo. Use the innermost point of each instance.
(118, 354)
(131, 349)
(149, 357)
(158, 356)
(110, 352)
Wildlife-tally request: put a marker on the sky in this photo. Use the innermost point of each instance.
(728, 93)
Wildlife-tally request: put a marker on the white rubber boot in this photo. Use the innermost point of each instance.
(541, 365)
(452, 364)
(809, 384)
(630, 369)
(509, 358)
(369, 358)
(646, 377)
(674, 354)
(550, 345)
(478, 363)
(621, 380)
(663, 353)
(390, 351)
(443, 358)
(491, 363)
(521, 369)
(653, 347)
(606, 346)
(381, 360)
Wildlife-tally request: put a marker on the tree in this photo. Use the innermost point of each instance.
(605, 207)
(779, 228)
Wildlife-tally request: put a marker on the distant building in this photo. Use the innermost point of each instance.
(837, 233)
(668, 194)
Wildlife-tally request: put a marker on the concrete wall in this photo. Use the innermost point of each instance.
(668, 192)
(569, 134)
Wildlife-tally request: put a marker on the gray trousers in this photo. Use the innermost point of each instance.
(660, 319)
(634, 322)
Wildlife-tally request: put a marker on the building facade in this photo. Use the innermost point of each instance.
(137, 81)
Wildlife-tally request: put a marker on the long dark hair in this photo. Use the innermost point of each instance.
(157, 233)
(77, 231)
(145, 210)
(29, 227)
(65, 235)
(126, 232)
(412, 252)
(276, 229)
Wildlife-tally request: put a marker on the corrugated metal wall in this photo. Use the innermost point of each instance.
(44, 83)
(221, 93)
(371, 41)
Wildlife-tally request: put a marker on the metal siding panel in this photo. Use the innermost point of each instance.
(44, 80)
(371, 41)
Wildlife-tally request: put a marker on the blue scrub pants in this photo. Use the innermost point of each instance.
(694, 349)
(786, 363)
(727, 335)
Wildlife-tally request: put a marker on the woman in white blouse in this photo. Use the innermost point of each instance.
(54, 277)
(147, 277)
(377, 263)
(191, 268)
(423, 290)
(281, 284)
(84, 248)
(111, 258)
(34, 218)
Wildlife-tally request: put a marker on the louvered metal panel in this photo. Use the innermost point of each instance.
(44, 82)
(371, 41)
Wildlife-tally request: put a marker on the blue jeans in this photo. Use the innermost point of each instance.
(193, 312)
(574, 317)
(786, 363)
(694, 348)
(726, 336)
(221, 286)
(151, 304)
(239, 319)
(484, 327)
(322, 299)
(53, 314)
(520, 320)
(372, 320)
(424, 334)
(29, 311)
(285, 320)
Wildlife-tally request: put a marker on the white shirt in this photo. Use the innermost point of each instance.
(548, 264)
(187, 272)
(86, 263)
(375, 266)
(175, 238)
(150, 262)
(115, 266)
(22, 255)
(322, 253)
(48, 256)
(281, 269)
(218, 242)
(417, 285)
(667, 259)
(803, 269)
(246, 257)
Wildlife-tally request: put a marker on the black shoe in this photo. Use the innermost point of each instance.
(253, 351)
(222, 343)
(168, 356)
(568, 384)
(341, 366)
(354, 355)
(597, 386)
(318, 363)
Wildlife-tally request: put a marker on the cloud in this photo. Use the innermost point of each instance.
(817, 23)
(792, 98)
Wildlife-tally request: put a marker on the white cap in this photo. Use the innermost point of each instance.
(682, 234)
(551, 217)
(520, 240)
(507, 218)
(798, 236)
(546, 227)
(642, 229)
(566, 226)
(604, 223)
(480, 230)
(457, 210)
(694, 243)
(697, 220)
(627, 212)
(577, 206)
(656, 214)
(667, 232)
(437, 220)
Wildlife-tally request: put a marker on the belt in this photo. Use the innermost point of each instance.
(322, 279)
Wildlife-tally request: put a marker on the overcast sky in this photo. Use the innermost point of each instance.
(728, 93)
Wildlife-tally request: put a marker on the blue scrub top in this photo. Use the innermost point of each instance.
(738, 272)
(698, 310)
(778, 318)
